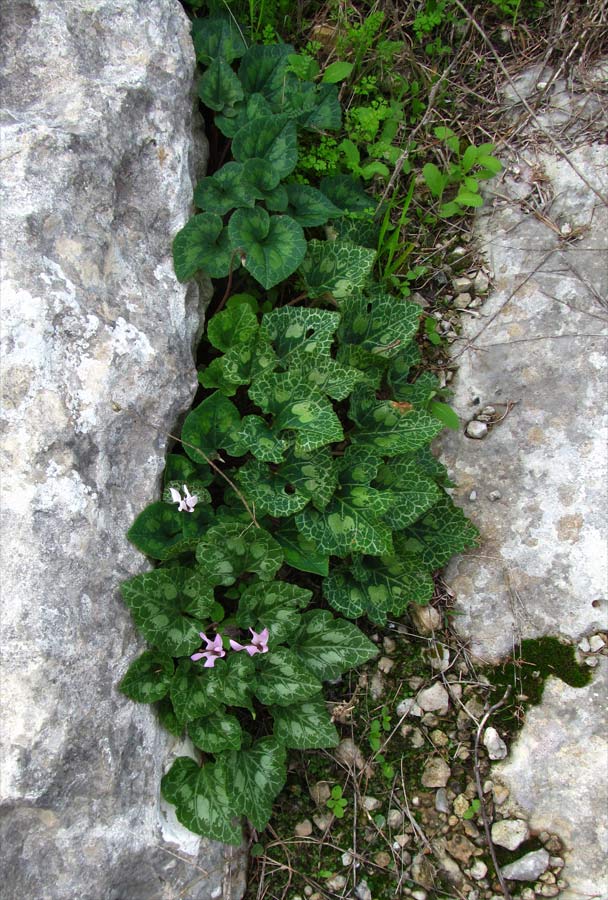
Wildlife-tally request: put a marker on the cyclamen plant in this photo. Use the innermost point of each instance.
(306, 479)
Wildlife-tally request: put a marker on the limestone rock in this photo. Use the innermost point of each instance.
(510, 833)
(427, 619)
(436, 773)
(434, 699)
(556, 774)
(97, 168)
(494, 744)
(528, 868)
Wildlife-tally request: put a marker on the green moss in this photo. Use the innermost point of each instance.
(526, 675)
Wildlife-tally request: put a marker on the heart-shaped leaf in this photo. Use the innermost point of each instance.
(297, 406)
(282, 679)
(148, 678)
(216, 733)
(225, 190)
(304, 726)
(254, 777)
(392, 427)
(441, 532)
(195, 690)
(287, 489)
(300, 553)
(218, 87)
(211, 426)
(202, 244)
(271, 138)
(217, 37)
(377, 587)
(202, 801)
(261, 441)
(158, 530)
(274, 606)
(309, 206)
(347, 193)
(274, 246)
(227, 550)
(329, 646)
(414, 493)
(378, 323)
(263, 70)
(156, 600)
(337, 268)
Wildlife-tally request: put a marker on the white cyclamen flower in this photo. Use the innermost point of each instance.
(187, 503)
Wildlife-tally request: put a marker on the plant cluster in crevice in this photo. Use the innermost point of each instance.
(305, 480)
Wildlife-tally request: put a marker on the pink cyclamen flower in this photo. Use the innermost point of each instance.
(188, 502)
(259, 643)
(212, 652)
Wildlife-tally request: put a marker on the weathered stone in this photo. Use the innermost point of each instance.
(394, 818)
(362, 891)
(303, 828)
(371, 803)
(427, 619)
(460, 847)
(320, 792)
(349, 753)
(434, 699)
(528, 867)
(556, 774)
(97, 157)
(510, 833)
(551, 447)
(476, 430)
(436, 773)
(494, 744)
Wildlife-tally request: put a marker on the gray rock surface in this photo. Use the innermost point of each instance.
(541, 344)
(97, 162)
(528, 867)
(557, 774)
(543, 565)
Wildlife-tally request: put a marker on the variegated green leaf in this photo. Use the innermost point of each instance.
(157, 530)
(282, 679)
(284, 490)
(304, 726)
(299, 334)
(273, 246)
(219, 88)
(390, 426)
(202, 244)
(441, 532)
(211, 426)
(216, 733)
(202, 801)
(263, 70)
(329, 646)
(309, 206)
(378, 322)
(217, 37)
(254, 776)
(148, 678)
(236, 674)
(157, 602)
(347, 193)
(336, 268)
(414, 493)
(352, 521)
(299, 407)
(377, 587)
(274, 606)
(263, 443)
(227, 550)
(226, 189)
(270, 138)
(299, 552)
(195, 691)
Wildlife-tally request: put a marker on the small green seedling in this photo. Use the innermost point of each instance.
(336, 802)
(473, 809)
